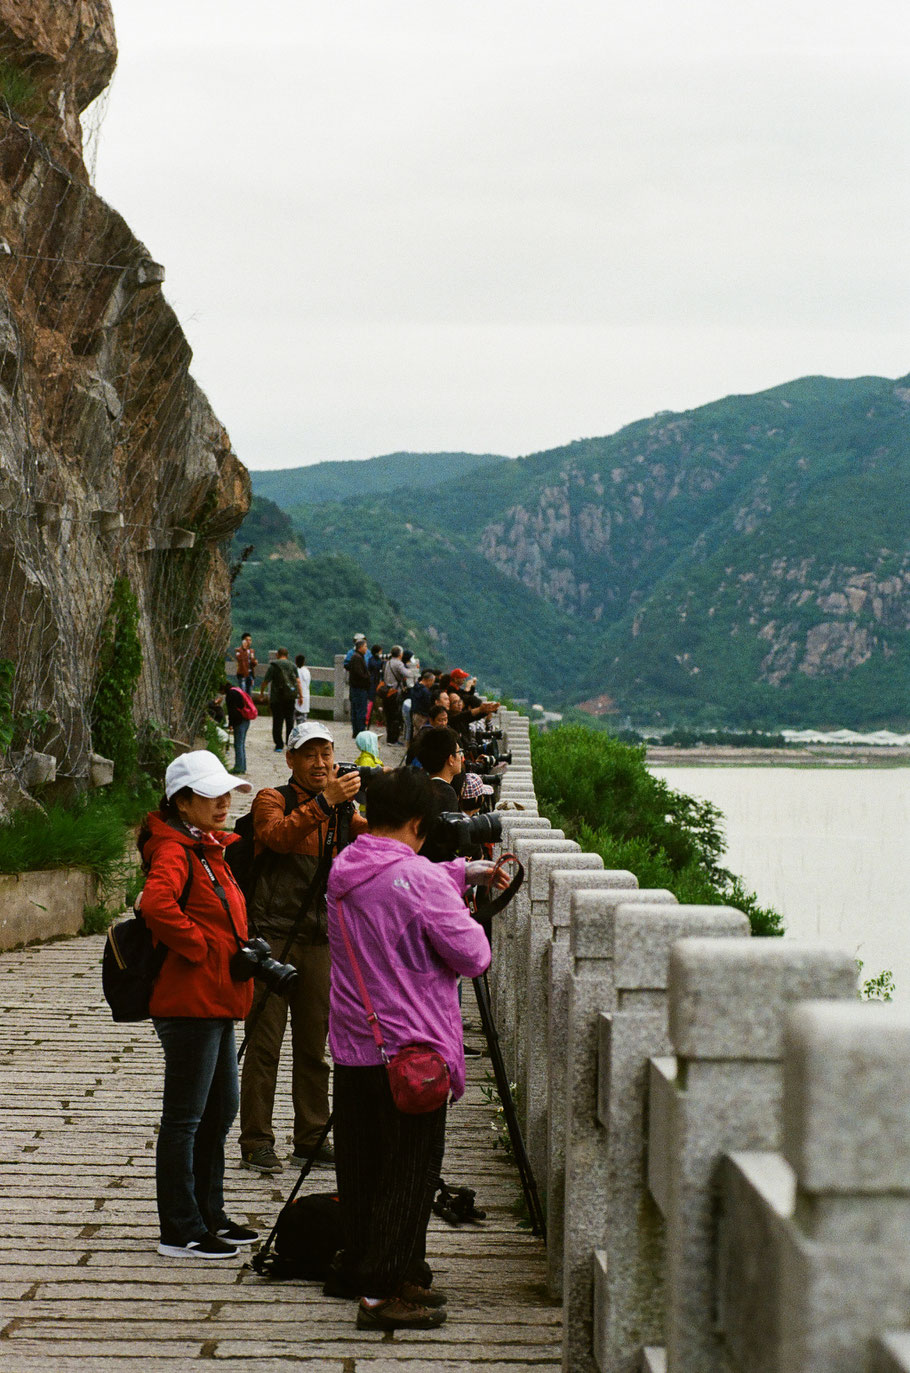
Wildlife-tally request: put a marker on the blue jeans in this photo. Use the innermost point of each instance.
(240, 730)
(246, 683)
(200, 1102)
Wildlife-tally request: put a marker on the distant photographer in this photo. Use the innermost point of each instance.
(442, 758)
(296, 839)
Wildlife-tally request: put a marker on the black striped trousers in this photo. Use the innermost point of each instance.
(387, 1165)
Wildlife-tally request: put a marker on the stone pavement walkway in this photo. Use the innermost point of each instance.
(81, 1286)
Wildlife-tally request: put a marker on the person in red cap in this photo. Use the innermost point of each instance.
(467, 689)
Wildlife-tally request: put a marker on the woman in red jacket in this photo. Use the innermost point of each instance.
(192, 904)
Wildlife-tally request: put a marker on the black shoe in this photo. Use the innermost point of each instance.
(323, 1158)
(471, 1052)
(232, 1233)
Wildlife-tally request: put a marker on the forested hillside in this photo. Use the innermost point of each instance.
(743, 563)
(296, 487)
(310, 605)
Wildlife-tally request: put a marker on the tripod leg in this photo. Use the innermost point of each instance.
(525, 1172)
(258, 1261)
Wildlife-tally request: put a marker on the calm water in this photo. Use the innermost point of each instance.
(828, 848)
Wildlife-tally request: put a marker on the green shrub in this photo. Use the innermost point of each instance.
(120, 663)
(96, 919)
(601, 793)
(90, 835)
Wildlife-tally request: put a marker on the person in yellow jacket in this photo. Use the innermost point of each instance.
(368, 743)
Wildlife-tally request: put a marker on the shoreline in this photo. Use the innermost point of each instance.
(801, 756)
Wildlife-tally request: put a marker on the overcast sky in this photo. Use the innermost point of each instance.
(499, 225)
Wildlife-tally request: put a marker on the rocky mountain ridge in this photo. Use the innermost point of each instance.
(112, 464)
(745, 562)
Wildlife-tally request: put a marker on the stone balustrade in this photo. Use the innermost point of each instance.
(719, 1129)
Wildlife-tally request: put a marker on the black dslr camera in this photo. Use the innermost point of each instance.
(254, 959)
(460, 834)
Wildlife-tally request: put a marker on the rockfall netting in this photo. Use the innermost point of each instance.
(115, 476)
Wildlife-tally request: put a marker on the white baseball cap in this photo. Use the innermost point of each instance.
(202, 771)
(302, 734)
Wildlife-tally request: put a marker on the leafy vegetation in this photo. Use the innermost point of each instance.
(119, 664)
(315, 606)
(266, 531)
(879, 988)
(18, 89)
(90, 834)
(601, 793)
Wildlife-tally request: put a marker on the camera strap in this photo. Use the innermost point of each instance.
(491, 905)
(219, 889)
(372, 1017)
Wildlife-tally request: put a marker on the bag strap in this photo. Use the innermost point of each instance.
(372, 1018)
(199, 851)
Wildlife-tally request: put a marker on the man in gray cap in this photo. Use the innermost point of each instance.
(297, 830)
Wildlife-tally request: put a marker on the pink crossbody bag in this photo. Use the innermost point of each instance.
(418, 1074)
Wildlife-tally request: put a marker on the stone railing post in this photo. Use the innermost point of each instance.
(533, 1081)
(728, 1004)
(629, 1270)
(846, 1261)
(592, 990)
(514, 823)
(563, 886)
(519, 918)
(340, 698)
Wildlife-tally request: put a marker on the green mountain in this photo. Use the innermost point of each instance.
(311, 605)
(343, 481)
(744, 563)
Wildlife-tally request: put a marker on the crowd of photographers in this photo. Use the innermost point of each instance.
(361, 942)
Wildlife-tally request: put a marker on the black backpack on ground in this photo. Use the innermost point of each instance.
(241, 857)
(307, 1238)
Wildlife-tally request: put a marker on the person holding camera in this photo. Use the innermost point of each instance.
(193, 906)
(406, 924)
(296, 838)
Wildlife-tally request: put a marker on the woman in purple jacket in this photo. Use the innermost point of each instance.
(412, 936)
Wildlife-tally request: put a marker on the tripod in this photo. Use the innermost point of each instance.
(522, 1162)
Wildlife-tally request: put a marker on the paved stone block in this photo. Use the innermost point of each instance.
(535, 1019)
(757, 1194)
(593, 916)
(847, 1076)
(661, 1093)
(645, 934)
(730, 998)
(891, 1353)
(563, 885)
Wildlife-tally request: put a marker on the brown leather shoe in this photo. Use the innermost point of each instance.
(422, 1296)
(397, 1314)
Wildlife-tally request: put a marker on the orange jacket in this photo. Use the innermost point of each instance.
(194, 979)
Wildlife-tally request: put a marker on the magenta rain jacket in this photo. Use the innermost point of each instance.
(412, 935)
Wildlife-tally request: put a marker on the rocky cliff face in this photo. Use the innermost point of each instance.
(111, 460)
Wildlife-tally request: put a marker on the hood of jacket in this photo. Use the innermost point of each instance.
(161, 832)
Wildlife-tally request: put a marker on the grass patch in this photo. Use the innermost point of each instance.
(93, 834)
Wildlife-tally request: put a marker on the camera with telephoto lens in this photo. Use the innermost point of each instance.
(460, 834)
(254, 959)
